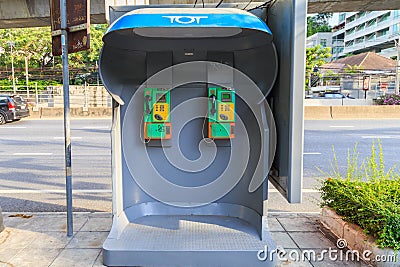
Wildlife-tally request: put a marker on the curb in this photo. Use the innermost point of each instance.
(356, 240)
(92, 112)
(351, 112)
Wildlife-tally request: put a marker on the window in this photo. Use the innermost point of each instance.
(351, 19)
(342, 17)
(323, 42)
(351, 31)
(360, 40)
(360, 27)
(370, 37)
(382, 32)
(361, 14)
(396, 28)
(384, 17)
(371, 23)
(350, 43)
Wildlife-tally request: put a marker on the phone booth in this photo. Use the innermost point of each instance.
(193, 137)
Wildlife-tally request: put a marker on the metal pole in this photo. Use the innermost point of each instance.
(37, 96)
(12, 68)
(26, 77)
(67, 129)
(85, 100)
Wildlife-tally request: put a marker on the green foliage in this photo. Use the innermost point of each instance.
(389, 99)
(35, 44)
(6, 85)
(315, 56)
(366, 195)
(353, 69)
(318, 23)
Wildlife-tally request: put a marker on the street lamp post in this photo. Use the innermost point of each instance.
(26, 77)
(11, 44)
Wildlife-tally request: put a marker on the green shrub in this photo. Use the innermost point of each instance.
(366, 195)
(6, 84)
(389, 99)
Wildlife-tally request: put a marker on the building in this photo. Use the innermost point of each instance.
(358, 32)
(354, 74)
(323, 39)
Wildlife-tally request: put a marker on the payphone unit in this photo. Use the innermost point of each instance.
(157, 121)
(221, 113)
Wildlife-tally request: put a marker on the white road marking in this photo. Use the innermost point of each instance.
(341, 126)
(62, 137)
(380, 136)
(96, 127)
(13, 127)
(52, 191)
(312, 153)
(32, 154)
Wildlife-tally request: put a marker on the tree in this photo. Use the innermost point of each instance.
(35, 44)
(318, 23)
(315, 57)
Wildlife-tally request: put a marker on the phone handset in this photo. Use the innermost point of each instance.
(147, 102)
(213, 104)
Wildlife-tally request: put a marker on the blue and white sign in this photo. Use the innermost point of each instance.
(231, 19)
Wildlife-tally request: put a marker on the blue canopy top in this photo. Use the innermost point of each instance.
(145, 40)
(189, 18)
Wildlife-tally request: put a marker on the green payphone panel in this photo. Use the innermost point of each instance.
(221, 113)
(157, 121)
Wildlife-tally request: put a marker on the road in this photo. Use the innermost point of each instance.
(32, 176)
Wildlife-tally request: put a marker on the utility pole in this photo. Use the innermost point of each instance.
(65, 33)
(67, 119)
(11, 44)
(397, 43)
(27, 77)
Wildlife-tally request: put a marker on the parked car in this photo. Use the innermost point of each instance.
(90, 78)
(333, 95)
(12, 108)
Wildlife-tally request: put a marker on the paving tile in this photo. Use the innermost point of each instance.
(311, 240)
(88, 240)
(97, 224)
(50, 240)
(99, 261)
(283, 239)
(299, 224)
(13, 238)
(76, 258)
(100, 215)
(34, 257)
(14, 222)
(274, 225)
(49, 223)
(7, 254)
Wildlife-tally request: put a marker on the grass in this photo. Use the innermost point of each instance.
(366, 194)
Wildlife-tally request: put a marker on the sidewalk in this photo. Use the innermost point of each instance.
(41, 240)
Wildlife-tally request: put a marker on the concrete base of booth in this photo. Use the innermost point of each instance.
(188, 241)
